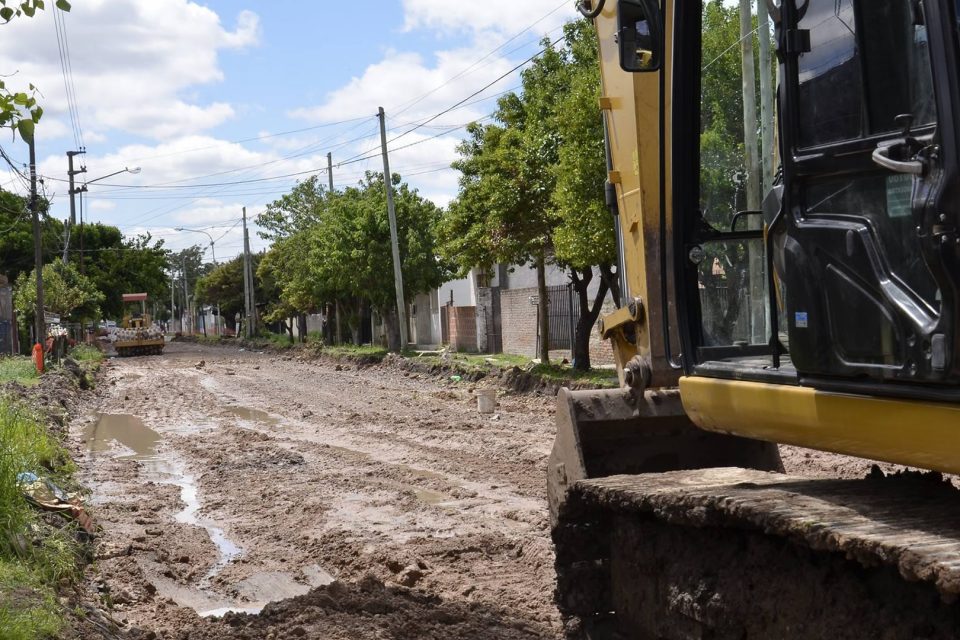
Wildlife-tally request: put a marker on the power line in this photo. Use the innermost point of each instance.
(407, 106)
(357, 157)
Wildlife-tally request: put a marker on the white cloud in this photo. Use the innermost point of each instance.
(502, 16)
(132, 62)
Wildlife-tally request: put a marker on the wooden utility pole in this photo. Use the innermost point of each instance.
(768, 155)
(246, 278)
(330, 170)
(173, 306)
(249, 303)
(391, 212)
(39, 322)
(186, 296)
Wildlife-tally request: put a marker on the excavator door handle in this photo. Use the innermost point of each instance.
(882, 156)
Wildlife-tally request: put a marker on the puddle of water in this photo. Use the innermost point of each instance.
(138, 442)
(251, 415)
(139, 439)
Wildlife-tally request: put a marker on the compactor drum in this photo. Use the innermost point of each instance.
(788, 278)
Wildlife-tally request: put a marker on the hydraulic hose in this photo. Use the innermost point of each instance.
(584, 7)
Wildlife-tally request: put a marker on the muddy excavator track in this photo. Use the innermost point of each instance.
(737, 553)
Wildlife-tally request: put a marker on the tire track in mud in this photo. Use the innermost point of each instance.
(431, 517)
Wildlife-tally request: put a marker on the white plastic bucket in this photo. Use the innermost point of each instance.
(486, 400)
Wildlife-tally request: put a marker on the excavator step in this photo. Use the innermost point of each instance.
(739, 553)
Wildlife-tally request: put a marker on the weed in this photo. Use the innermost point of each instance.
(18, 369)
(86, 353)
(34, 556)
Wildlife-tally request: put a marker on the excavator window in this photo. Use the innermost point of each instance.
(842, 282)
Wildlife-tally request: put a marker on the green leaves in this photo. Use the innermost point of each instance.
(19, 110)
(26, 129)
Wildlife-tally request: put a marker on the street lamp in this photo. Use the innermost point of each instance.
(213, 254)
(82, 189)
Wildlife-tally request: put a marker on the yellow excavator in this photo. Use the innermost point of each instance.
(825, 318)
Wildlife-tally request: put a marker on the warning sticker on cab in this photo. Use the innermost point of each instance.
(800, 319)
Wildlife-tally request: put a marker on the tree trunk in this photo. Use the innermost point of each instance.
(588, 316)
(302, 321)
(392, 325)
(612, 282)
(543, 310)
(339, 332)
(357, 326)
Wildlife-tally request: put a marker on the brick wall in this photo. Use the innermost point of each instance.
(462, 328)
(518, 322)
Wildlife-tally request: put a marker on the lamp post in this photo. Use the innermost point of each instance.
(213, 254)
(83, 188)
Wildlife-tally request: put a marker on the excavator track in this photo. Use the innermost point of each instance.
(738, 553)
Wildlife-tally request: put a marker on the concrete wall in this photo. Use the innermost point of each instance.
(421, 321)
(489, 321)
(463, 328)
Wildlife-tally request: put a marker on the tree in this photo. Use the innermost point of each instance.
(584, 236)
(19, 109)
(532, 184)
(298, 210)
(350, 250)
(223, 286)
(16, 234)
(67, 293)
(118, 265)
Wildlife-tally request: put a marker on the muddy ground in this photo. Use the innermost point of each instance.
(258, 496)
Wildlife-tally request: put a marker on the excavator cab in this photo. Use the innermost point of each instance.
(795, 283)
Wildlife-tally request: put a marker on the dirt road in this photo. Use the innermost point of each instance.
(259, 496)
(364, 503)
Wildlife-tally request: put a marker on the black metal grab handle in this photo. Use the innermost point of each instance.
(584, 7)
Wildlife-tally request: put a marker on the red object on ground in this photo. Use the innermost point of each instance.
(38, 357)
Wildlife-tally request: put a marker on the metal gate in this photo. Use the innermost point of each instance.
(563, 310)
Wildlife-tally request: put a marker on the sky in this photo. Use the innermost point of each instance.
(219, 103)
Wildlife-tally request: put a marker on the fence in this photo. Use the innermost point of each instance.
(563, 310)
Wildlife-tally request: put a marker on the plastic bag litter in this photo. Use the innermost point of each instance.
(44, 494)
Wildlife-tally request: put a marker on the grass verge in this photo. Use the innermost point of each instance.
(18, 369)
(86, 353)
(36, 553)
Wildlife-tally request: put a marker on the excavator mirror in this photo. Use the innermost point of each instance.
(640, 35)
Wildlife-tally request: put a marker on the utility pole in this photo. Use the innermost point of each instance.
(186, 292)
(39, 321)
(73, 204)
(330, 170)
(173, 306)
(391, 212)
(246, 277)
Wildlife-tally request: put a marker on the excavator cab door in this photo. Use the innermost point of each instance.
(866, 238)
(843, 273)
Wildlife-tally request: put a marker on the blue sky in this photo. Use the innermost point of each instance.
(193, 92)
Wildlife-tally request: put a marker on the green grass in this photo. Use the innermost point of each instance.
(356, 351)
(86, 353)
(18, 369)
(34, 556)
(562, 373)
(28, 606)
